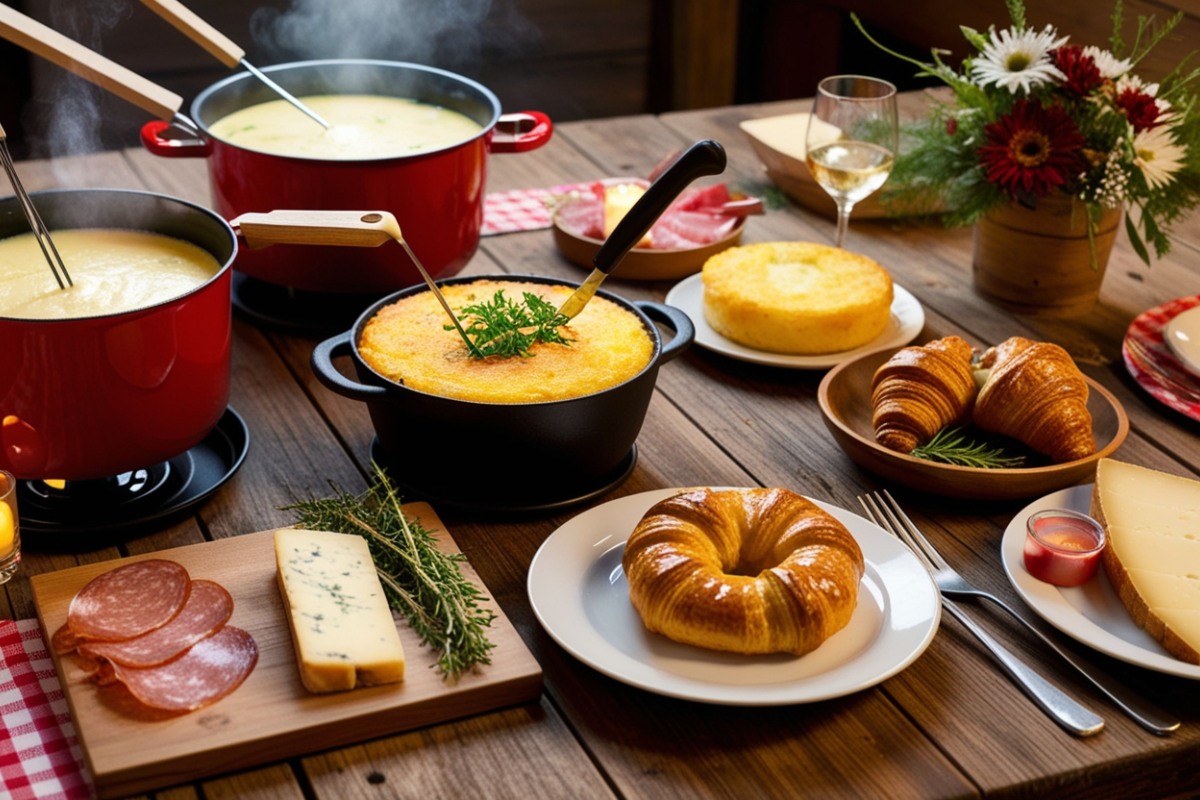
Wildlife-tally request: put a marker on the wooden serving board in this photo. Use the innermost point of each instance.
(271, 716)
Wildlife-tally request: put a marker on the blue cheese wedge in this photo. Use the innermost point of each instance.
(341, 624)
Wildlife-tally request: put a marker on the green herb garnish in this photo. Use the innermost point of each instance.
(950, 446)
(420, 581)
(506, 328)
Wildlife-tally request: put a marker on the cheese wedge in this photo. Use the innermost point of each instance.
(341, 624)
(1153, 554)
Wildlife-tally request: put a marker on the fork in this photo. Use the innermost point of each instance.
(1068, 713)
(1145, 713)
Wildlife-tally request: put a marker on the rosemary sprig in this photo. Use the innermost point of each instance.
(421, 582)
(950, 446)
(503, 327)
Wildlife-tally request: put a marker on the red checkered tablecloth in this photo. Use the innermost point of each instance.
(40, 757)
(521, 209)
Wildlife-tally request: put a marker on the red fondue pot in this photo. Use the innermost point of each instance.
(437, 196)
(99, 396)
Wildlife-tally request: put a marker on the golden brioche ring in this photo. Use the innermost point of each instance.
(743, 570)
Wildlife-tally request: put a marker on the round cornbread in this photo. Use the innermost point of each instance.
(407, 343)
(796, 298)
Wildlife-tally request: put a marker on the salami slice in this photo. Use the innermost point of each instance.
(211, 669)
(207, 609)
(129, 601)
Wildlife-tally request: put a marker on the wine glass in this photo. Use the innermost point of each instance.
(851, 140)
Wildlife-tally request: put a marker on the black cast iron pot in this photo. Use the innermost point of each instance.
(546, 454)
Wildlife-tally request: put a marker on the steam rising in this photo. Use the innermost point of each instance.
(450, 33)
(66, 107)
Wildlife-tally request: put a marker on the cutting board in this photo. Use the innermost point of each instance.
(271, 716)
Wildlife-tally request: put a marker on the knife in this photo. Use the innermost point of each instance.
(705, 157)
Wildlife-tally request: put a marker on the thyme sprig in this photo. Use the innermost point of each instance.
(503, 327)
(951, 446)
(421, 582)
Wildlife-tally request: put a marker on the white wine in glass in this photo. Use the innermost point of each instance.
(851, 140)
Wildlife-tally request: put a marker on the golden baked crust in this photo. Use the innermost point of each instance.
(797, 298)
(746, 571)
(407, 342)
(1035, 393)
(921, 390)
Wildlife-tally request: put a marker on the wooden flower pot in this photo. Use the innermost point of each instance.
(1039, 263)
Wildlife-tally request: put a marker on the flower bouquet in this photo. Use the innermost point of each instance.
(1034, 115)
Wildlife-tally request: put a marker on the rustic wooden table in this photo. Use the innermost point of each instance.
(950, 725)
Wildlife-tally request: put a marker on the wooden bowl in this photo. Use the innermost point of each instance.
(845, 399)
(642, 263)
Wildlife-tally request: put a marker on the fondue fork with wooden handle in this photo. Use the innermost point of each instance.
(69, 54)
(346, 228)
(221, 47)
(705, 157)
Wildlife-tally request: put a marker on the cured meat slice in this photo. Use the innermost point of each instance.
(128, 601)
(211, 669)
(207, 609)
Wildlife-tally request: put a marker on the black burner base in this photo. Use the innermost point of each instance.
(546, 500)
(295, 311)
(89, 515)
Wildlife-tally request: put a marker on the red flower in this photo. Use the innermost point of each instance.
(1033, 150)
(1082, 73)
(1140, 109)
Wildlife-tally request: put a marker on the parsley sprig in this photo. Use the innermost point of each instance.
(951, 446)
(503, 327)
(421, 582)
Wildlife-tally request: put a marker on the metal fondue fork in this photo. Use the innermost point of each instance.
(40, 231)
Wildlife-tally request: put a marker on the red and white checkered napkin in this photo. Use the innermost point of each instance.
(521, 209)
(40, 757)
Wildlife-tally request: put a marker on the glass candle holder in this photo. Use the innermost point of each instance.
(1063, 547)
(10, 527)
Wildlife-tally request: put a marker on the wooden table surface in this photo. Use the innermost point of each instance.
(950, 725)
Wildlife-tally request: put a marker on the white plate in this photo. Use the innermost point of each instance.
(1092, 613)
(906, 321)
(579, 594)
(1182, 335)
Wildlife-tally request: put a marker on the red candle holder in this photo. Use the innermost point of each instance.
(1063, 547)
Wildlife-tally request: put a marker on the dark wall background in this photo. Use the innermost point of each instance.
(572, 59)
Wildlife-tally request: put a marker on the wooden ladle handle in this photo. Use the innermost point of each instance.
(48, 43)
(219, 46)
(341, 228)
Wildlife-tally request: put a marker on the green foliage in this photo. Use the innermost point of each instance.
(951, 446)
(505, 328)
(421, 582)
(939, 168)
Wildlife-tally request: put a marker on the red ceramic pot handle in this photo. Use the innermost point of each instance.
(520, 132)
(153, 141)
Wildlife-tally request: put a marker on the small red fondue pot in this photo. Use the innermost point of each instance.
(437, 195)
(99, 396)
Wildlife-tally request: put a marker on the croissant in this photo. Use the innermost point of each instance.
(921, 390)
(743, 570)
(1036, 395)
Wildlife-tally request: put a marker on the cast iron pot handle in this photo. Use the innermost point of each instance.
(322, 366)
(674, 319)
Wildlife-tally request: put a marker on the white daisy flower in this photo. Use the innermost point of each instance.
(1109, 65)
(1158, 155)
(1018, 59)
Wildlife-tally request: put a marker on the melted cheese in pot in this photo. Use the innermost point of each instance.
(361, 127)
(406, 342)
(113, 271)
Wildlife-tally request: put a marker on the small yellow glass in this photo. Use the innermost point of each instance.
(10, 527)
